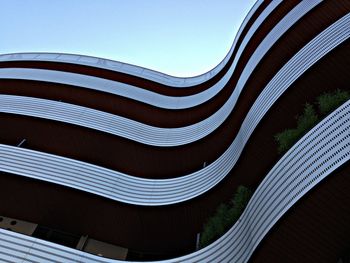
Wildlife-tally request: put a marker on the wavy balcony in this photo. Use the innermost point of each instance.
(151, 156)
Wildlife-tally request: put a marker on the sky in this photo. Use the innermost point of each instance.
(178, 37)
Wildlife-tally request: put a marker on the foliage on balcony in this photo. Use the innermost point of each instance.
(225, 216)
(325, 104)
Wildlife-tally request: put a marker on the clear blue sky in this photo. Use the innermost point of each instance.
(177, 37)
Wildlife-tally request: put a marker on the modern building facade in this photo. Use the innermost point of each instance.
(103, 161)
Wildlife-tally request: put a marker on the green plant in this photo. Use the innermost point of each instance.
(241, 198)
(225, 216)
(286, 139)
(305, 122)
(215, 226)
(329, 101)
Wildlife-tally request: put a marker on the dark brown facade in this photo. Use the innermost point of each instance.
(171, 230)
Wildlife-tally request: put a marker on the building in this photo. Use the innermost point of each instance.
(86, 142)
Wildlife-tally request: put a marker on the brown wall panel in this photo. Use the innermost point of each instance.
(316, 229)
(137, 110)
(170, 229)
(156, 162)
(137, 81)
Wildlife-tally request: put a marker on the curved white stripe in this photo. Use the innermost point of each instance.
(154, 135)
(128, 189)
(136, 70)
(320, 152)
(153, 98)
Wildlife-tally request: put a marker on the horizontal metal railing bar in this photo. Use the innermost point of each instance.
(137, 70)
(133, 130)
(315, 156)
(159, 100)
(168, 191)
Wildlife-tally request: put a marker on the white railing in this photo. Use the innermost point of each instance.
(153, 192)
(150, 97)
(139, 132)
(132, 69)
(320, 152)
